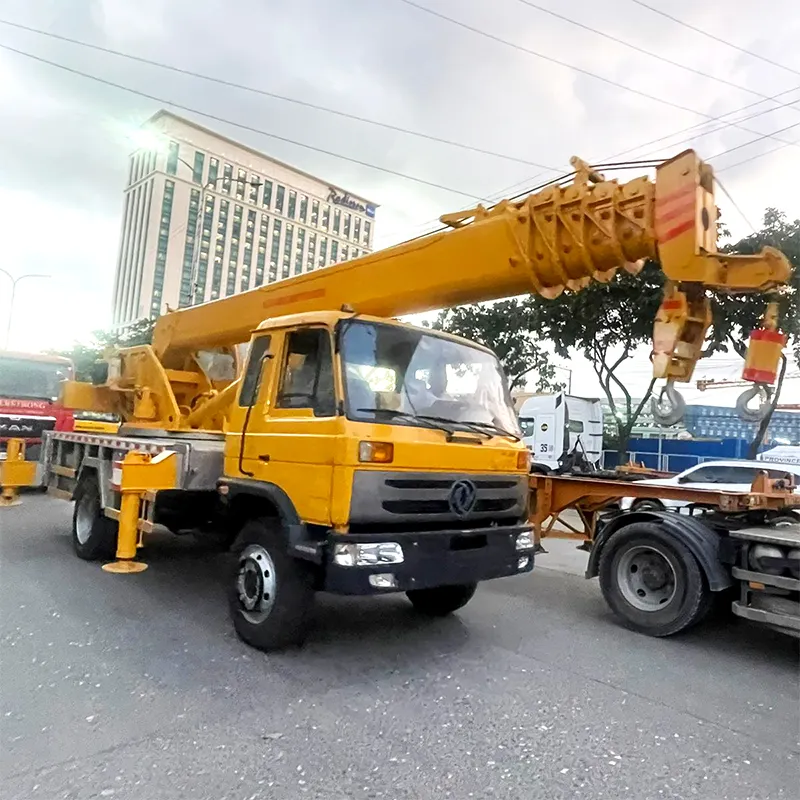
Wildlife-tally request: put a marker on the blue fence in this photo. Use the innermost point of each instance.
(676, 455)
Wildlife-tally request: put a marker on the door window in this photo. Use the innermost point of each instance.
(249, 390)
(308, 373)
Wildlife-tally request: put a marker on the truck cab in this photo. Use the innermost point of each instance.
(389, 455)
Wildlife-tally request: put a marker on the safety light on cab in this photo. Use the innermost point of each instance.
(376, 452)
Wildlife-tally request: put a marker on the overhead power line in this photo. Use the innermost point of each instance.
(715, 38)
(561, 63)
(240, 125)
(273, 95)
(643, 50)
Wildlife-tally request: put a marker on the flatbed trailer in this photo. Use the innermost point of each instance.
(660, 571)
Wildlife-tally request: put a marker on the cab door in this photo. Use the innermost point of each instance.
(291, 436)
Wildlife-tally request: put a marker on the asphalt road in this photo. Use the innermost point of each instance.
(136, 687)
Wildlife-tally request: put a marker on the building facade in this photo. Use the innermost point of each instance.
(205, 217)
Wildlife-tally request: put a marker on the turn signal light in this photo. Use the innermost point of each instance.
(376, 452)
(524, 460)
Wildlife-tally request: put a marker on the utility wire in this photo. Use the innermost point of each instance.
(259, 131)
(715, 38)
(643, 50)
(753, 158)
(553, 60)
(275, 96)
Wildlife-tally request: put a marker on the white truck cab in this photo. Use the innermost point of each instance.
(554, 424)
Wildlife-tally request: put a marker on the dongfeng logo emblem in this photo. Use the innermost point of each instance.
(462, 497)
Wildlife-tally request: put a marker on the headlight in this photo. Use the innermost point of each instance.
(367, 554)
(525, 541)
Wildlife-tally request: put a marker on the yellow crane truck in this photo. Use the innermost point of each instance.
(355, 454)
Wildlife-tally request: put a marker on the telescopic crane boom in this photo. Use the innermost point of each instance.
(557, 239)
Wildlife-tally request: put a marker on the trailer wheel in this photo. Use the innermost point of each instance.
(651, 581)
(94, 536)
(647, 505)
(441, 600)
(270, 593)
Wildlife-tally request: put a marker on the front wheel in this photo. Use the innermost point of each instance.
(442, 600)
(270, 593)
(651, 581)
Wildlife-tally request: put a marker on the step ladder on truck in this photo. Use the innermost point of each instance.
(355, 454)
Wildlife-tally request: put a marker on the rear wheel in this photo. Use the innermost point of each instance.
(651, 581)
(270, 593)
(442, 600)
(94, 536)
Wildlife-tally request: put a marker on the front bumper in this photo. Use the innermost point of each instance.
(431, 559)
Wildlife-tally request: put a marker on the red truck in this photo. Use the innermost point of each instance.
(29, 405)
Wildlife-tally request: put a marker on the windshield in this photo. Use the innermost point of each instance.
(391, 368)
(31, 379)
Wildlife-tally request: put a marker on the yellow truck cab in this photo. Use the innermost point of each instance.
(390, 458)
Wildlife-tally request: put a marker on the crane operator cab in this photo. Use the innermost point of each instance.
(365, 456)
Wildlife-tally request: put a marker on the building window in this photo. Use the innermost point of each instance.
(345, 252)
(312, 246)
(219, 248)
(347, 219)
(197, 170)
(298, 255)
(355, 253)
(161, 250)
(261, 259)
(247, 257)
(185, 296)
(233, 256)
(241, 180)
(334, 251)
(337, 220)
(367, 228)
(205, 246)
(254, 184)
(303, 207)
(357, 229)
(131, 167)
(326, 217)
(274, 251)
(292, 203)
(227, 175)
(323, 251)
(266, 200)
(172, 157)
(287, 250)
(213, 171)
(315, 212)
(280, 193)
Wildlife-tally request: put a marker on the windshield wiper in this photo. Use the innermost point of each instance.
(434, 423)
(492, 427)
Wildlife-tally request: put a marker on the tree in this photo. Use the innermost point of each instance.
(507, 328)
(84, 355)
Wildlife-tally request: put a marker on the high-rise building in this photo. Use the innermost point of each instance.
(206, 217)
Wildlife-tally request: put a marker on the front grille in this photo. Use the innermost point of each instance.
(482, 506)
(423, 501)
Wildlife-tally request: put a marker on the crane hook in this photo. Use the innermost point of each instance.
(668, 408)
(764, 393)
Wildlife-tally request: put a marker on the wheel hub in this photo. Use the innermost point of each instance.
(255, 583)
(646, 578)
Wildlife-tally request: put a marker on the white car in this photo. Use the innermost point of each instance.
(730, 476)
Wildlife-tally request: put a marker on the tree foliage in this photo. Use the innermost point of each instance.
(85, 354)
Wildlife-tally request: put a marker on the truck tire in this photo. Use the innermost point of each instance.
(270, 593)
(441, 600)
(94, 535)
(651, 580)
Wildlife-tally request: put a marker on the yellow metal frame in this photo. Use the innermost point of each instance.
(15, 473)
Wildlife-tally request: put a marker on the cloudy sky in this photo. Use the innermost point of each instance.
(64, 138)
